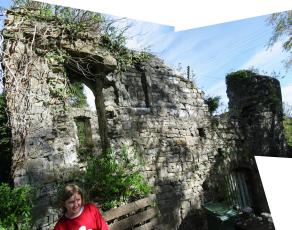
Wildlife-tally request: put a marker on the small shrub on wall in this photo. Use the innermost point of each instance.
(213, 103)
(112, 181)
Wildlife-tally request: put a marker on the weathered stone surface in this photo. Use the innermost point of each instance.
(189, 154)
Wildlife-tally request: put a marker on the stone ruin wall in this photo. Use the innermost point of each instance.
(255, 104)
(167, 133)
(161, 113)
(166, 130)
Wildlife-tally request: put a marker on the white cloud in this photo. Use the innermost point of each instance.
(140, 34)
(90, 98)
(267, 60)
(287, 94)
(183, 14)
(217, 89)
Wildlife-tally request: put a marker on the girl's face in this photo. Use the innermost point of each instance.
(73, 205)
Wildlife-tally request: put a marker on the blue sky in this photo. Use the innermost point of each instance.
(216, 50)
(213, 51)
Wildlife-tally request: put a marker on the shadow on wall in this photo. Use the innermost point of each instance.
(178, 202)
(195, 220)
(234, 178)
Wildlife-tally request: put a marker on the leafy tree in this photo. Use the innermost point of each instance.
(282, 26)
(213, 103)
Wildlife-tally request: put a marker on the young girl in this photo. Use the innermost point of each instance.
(77, 215)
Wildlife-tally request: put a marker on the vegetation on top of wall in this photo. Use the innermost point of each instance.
(5, 143)
(213, 103)
(15, 206)
(84, 25)
(245, 82)
(243, 73)
(234, 79)
(252, 72)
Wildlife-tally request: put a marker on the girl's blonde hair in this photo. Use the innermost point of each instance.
(68, 191)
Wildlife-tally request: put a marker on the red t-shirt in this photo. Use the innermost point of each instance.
(90, 219)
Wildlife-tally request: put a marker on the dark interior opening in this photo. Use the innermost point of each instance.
(202, 132)
(84, 134)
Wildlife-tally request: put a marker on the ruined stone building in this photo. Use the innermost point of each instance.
(191, 157)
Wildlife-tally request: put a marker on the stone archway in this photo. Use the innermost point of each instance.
(92, 70)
